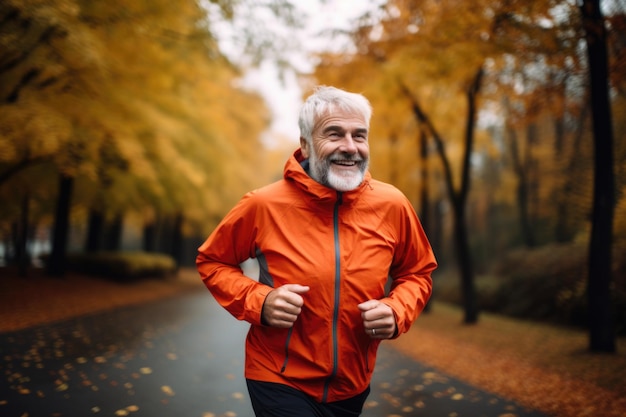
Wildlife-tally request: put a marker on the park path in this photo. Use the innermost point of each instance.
(183, 357)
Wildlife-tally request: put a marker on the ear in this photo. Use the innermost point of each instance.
(304, 146)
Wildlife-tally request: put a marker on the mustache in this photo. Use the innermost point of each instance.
(345, 157)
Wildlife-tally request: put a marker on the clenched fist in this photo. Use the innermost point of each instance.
(378, 319)
(283, 305)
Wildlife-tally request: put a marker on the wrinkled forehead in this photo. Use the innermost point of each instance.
(340, 111)
(341, 119)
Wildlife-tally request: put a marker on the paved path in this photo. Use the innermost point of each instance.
(183, 357)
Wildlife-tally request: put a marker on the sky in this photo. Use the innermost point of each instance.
(284, 97)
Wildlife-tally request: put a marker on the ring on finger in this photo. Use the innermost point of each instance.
(373, 332)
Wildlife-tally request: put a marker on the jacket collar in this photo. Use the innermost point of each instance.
(294, 172)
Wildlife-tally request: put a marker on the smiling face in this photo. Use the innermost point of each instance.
(339, 151)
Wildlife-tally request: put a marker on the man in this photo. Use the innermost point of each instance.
(327, 238)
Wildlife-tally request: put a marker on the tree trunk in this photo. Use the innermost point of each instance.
(177, 239)
(601, 330)
(468, 289)
(463, 250)
(424, 185)
(424, 212)
(23, 258)
(113, 234)
(57, 263)
(95, 229)
(149, 236)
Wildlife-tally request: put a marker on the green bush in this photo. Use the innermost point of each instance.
(122, 266)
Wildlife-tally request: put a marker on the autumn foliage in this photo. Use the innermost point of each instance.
(516, 174)
(131, 100)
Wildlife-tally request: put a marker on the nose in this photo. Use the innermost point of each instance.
(348, 145)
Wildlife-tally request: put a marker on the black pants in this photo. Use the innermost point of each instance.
(277, 400)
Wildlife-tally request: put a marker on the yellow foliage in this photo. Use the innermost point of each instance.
(531, 88)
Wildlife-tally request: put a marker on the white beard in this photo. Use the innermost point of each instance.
(322, 172)
(344, 183)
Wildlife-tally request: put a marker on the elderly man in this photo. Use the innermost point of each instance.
(327, 238)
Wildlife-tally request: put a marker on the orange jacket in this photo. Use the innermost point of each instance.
(344, 246)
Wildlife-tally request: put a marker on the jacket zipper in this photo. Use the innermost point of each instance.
(289, 332)
(337, 287)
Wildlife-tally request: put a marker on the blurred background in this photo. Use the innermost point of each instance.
(134, 126)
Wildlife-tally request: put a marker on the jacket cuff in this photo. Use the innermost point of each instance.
(255, 304)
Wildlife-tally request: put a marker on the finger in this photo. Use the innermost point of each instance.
(368, 305)
(282, 324)
(297, 288)
(379, 333)
(291, 294)
(285, 317)
(379, 311)
(290, 303)
(279, 318)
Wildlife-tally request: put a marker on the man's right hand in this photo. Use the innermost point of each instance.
(283, 305)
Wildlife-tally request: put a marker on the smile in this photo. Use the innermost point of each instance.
(345, 163)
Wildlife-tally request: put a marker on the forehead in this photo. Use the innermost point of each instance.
(345, 119)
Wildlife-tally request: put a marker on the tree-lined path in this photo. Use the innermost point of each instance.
(183, 356)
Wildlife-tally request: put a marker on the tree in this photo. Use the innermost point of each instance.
(458, 197)
(158, 132)
(601, 331)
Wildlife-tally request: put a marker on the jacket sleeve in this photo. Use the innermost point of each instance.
(411, 269)
(219, 259)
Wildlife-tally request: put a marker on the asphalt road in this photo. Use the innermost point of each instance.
(183, 357)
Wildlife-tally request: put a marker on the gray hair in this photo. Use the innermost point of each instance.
(325, 99)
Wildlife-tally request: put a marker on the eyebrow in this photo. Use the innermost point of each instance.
(341, 129)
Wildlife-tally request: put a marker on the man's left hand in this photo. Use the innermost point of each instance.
(378, 319)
